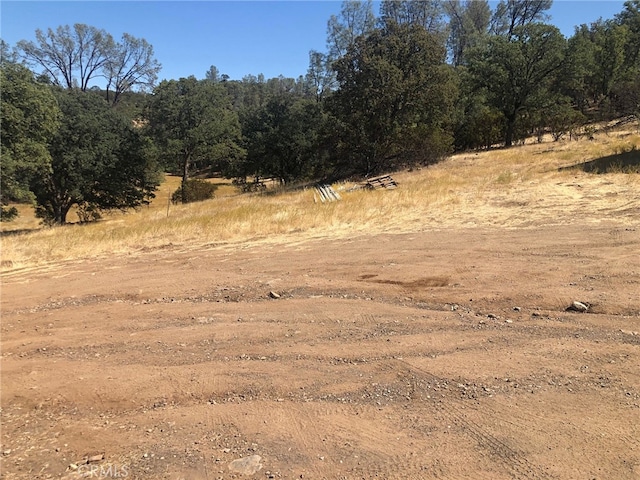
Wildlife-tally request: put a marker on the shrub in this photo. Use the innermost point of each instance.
(196, 190)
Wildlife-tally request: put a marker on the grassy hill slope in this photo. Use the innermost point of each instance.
(521, 187)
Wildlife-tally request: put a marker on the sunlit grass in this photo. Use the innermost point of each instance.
(508, 187)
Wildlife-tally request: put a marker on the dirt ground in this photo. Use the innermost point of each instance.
(439, 354)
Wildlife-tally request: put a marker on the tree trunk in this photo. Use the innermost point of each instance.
(185, 177)
(59, 218)
(63, 214)
(511, 128)
(60, 211)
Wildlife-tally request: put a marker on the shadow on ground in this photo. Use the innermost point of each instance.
(628, 162)
(14, 233)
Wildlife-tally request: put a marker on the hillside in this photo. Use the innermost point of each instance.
(520, 187)
(417, 333)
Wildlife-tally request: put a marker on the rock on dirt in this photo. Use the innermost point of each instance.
(247, 465)
(578, 307)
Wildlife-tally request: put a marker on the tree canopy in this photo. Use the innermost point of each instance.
(393, 99)
(30, 118)
(282, 139)
(99, 161)
(518, 71)
(84, 123)
(194, 125)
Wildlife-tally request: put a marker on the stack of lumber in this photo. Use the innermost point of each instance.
(384, 181)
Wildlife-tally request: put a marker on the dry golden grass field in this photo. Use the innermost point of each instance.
(415, 333)
(516, 187)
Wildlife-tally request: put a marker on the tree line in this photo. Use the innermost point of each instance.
(406, 87)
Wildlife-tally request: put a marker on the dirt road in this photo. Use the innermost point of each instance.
(444, 354)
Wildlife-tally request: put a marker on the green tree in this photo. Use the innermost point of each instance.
(282, 139)
(8, 53)
(468, 22)
(213, 74)
(247, 94)
(609, 53)
(477, 124)
(517, 71)
(394, 100)
(597, 65)
(630, 18)
(626, 92)
(320, 74)
(194, 125)
(30, 118)
(99, 161)
(576, 77)
(429, 14)
(356, 18)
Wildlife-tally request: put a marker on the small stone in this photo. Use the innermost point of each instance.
(508, 321)
(95, 458)
(492, 316)
(274, 295)
(7, 452)
(516, 309)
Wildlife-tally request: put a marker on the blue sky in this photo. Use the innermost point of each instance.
(238, 37)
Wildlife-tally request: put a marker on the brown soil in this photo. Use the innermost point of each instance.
(442, 354)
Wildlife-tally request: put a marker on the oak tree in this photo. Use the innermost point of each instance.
(517, 71)
(194, 125)
(30, 118)
(99, 161)
(394, 99)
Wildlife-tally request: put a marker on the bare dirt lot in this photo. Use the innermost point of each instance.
(441, 354)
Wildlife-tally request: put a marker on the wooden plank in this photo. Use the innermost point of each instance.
(327, 193)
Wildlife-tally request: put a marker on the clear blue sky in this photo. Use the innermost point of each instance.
(238, 37)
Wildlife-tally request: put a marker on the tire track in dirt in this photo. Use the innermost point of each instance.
(403, 467)
(510, 458)
(370, 448)
(303, 426)
(581, 433)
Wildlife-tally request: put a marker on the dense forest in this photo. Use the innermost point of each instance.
(402, 88)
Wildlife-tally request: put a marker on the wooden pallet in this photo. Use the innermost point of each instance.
(326, 194)
(385, 181)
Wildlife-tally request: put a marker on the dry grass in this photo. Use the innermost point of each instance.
(518, 187)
